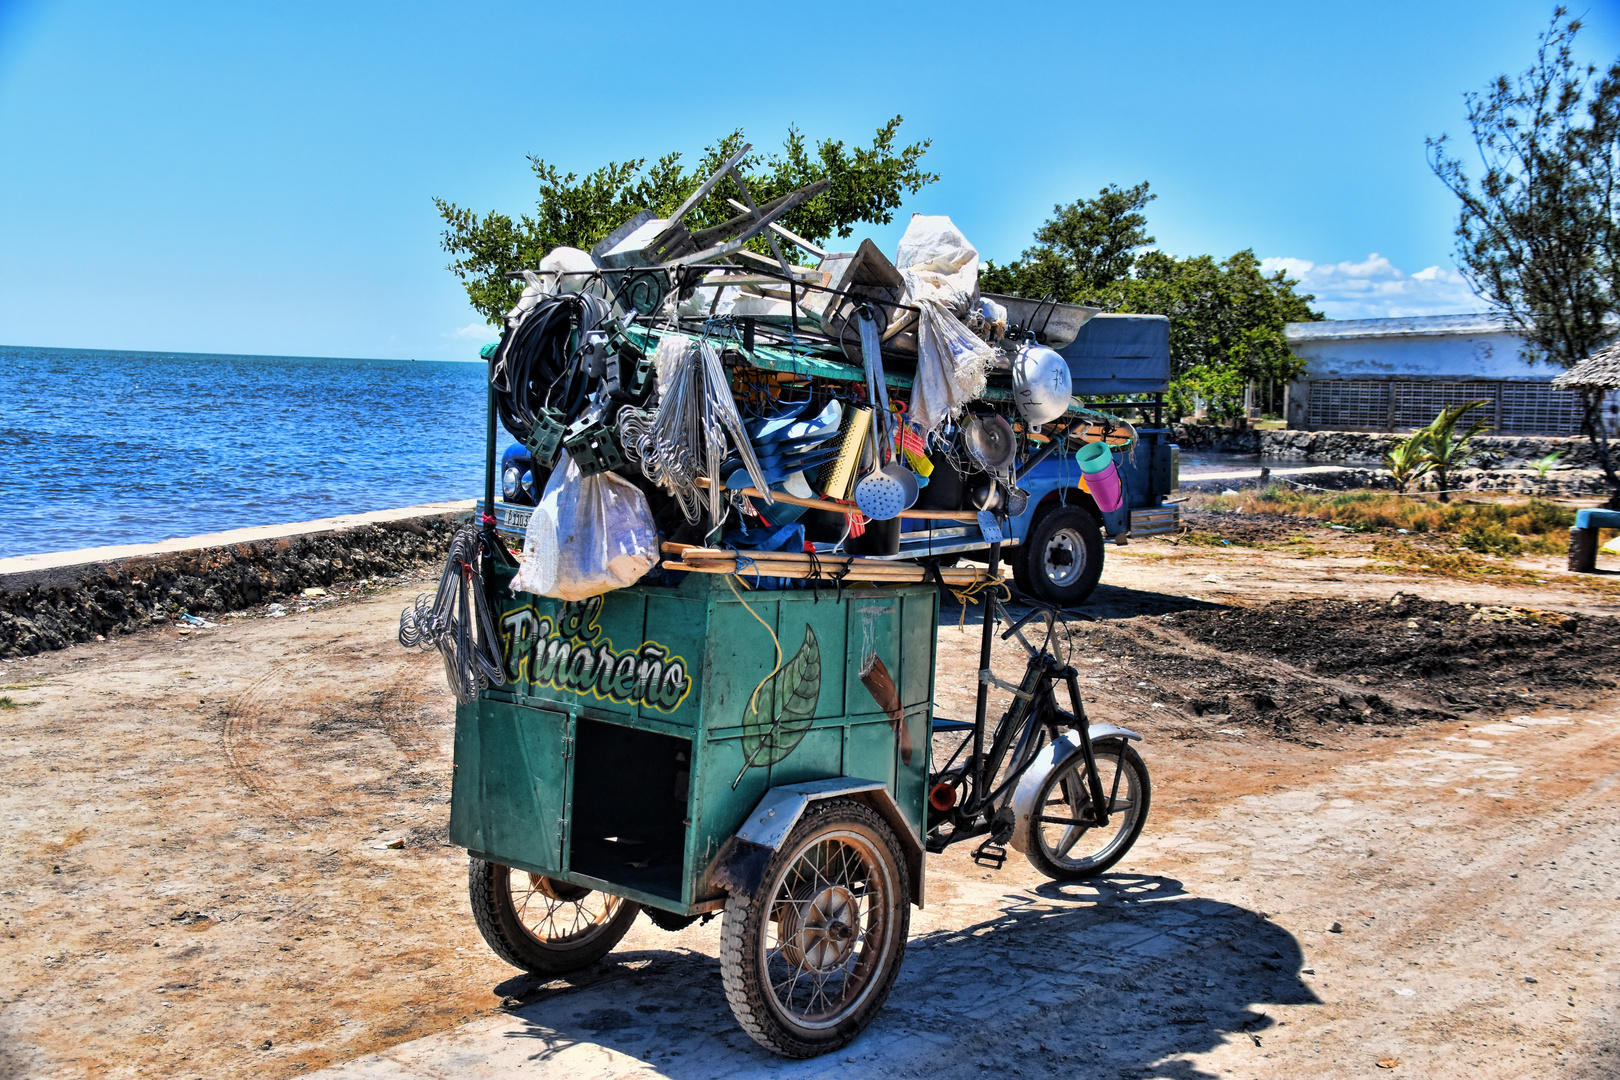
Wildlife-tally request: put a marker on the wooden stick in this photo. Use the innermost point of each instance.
(841, 508)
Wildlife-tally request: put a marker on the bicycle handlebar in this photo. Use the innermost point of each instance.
(1042, 609)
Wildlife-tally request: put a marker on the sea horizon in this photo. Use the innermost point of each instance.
(115, 446)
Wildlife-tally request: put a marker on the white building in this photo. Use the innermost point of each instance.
(1396, 374)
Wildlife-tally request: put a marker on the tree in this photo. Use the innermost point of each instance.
(1226, 318)
(1082, 248)
(867, 184)
(1408, 459)
(1226, 324)
(1537, 235)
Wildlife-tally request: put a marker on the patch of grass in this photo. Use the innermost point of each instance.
(1535, 526)
(6, 704)
(1459, 564)
(1202, 539)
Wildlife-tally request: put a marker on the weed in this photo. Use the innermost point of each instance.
(6, 704)
(1202, 539)
(1542, 527)
(1489, 538)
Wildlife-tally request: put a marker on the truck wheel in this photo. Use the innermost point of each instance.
(542, 925)
(809, 958)
(1062, 558)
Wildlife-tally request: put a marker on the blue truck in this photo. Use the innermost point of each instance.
(1120, 364)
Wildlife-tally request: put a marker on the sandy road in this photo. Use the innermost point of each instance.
(197, 879)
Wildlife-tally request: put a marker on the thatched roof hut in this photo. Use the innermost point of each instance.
(1600, 371)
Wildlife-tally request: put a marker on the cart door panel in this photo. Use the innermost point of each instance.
(509, 792)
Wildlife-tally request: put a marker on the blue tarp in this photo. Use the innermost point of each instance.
(1116, 355)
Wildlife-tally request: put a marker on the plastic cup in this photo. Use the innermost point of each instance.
(1099, 475)
(1094, 457)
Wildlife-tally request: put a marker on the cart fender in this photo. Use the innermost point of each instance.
(1053, 757)
(740, 865)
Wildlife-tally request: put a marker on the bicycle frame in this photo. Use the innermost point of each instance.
(1015, 743)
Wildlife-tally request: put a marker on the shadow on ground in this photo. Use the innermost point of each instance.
(1123, 974)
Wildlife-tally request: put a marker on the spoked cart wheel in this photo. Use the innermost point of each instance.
(810, 958)
(1061, 845)
(542, 925)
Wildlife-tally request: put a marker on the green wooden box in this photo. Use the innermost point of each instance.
(624, 750)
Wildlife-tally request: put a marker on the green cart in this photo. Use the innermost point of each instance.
(699, 748)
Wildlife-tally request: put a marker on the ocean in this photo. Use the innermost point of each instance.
(101, 447)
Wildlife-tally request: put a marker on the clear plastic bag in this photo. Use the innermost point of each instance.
(588, 536)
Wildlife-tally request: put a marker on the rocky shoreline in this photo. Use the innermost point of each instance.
(53, 608)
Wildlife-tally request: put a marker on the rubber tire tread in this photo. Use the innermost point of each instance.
(1133, 761)
(742, 921)
(1029, 576)
(497, 921)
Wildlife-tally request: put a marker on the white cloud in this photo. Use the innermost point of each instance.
(473, 330)
(1376, 288)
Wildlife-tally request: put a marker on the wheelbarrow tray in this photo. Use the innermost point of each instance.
(622, 754)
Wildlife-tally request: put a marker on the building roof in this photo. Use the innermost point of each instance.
(1601, 369)
(1416, 326)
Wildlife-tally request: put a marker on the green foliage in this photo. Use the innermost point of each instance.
(1408, 459)
(1226, 318)
(1489, 538)
(1082, 248)
(1226, 323)
(1545, 465)
(1447, 449)
(867, 184)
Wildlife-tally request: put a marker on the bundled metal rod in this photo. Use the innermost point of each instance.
(457, 622)
(790, 565)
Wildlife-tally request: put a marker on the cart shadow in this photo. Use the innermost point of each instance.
(1121, 975)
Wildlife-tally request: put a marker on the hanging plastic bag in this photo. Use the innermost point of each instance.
(588, 536)
(941, 270)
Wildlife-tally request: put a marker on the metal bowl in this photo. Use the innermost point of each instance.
(1054, 325)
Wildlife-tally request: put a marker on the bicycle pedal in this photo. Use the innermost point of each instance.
(991, 855)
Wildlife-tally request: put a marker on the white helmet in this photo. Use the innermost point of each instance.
(1042, 386)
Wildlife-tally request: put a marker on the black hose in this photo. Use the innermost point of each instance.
(535, 368)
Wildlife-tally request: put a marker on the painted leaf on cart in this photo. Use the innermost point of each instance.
(780, 714)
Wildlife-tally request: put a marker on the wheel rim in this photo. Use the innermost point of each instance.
(1064, 559)
(1068, 841)
(827, 938)
(557, 913)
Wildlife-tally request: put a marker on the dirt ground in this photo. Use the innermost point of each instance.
(1384, 829)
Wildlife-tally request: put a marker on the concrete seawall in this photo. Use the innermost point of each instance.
(54, 600)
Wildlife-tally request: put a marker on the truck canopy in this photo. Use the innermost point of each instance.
(1116, 355)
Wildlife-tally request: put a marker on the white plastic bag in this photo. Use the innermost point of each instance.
(951, 361)
(938, 263)
(941, 270)
(588, 536)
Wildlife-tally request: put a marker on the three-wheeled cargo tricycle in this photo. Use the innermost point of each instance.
(692, 746)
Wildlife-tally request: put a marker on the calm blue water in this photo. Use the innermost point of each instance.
(133, 447)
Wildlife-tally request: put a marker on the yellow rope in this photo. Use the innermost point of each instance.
(967, 596)
(731, 580)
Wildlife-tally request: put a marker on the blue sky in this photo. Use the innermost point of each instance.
(258, 178)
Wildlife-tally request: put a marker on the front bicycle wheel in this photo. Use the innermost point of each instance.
(1063, 846)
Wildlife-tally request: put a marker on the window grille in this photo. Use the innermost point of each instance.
(1536, 408)
(1349, 403)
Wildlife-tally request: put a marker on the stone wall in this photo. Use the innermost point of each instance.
(1491, 451)
(54, 608)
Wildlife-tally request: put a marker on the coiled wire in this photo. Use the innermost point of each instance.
(457, 621)
(534, 368)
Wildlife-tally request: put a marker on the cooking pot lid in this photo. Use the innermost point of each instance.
(990, 442)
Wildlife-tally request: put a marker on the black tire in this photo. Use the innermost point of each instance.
(790, 927)
(1064, 794)
(542, 925)
(1061, 560)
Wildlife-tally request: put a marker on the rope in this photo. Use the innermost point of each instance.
(968, 596)
(730, 580)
